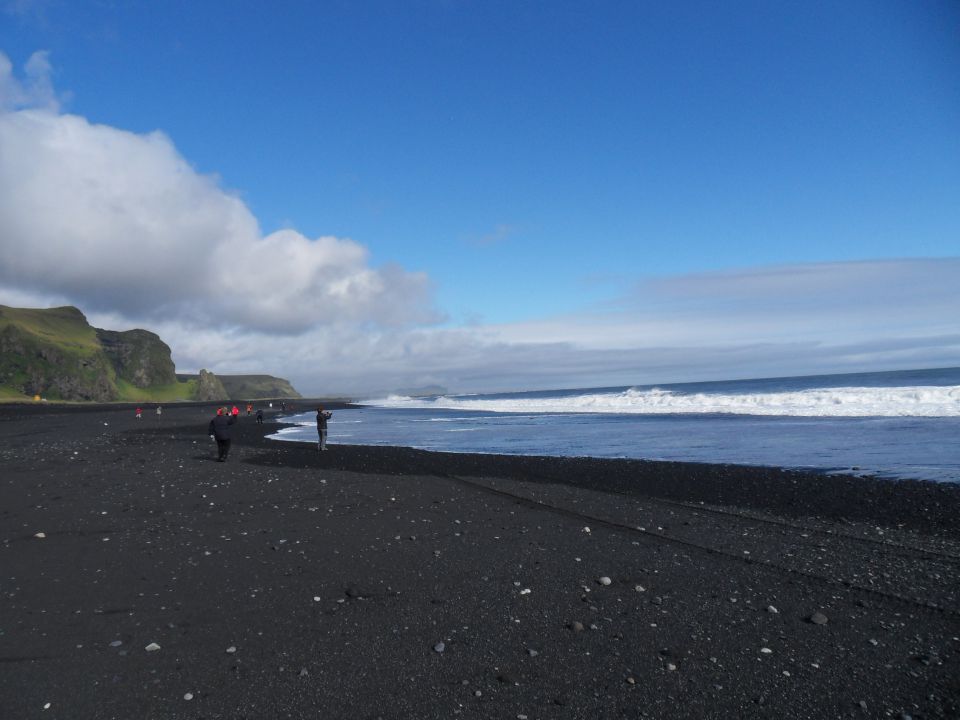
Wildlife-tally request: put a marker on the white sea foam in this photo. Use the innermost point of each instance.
(918, 401)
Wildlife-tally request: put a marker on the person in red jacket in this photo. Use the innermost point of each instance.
(235, 411)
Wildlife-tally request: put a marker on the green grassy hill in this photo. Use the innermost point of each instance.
(56, 354)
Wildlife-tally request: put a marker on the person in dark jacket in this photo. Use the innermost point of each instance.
(322, 417)
(219, 429)
(259, 416)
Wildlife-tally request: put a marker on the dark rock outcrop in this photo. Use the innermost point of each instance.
(139, 356)
(209, 387)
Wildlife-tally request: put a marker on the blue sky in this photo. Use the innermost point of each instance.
(537, 165)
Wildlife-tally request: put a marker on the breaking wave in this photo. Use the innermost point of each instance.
(917, 401)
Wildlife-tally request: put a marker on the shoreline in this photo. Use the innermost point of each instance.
(335, 577)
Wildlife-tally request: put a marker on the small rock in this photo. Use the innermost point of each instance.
(525, 591)
(439, 647)
(671, 666)
(586, 529)
(639, 588)
(152, 647)
(303, 672)
(631, 681)
(576, 626)
(818, 618)
(772, 610)
(766, 650)
(532, 653)
(863, 705)
(604, 580)
(231, 650)
(116, 643)
(477, 693)
(40, 535)
(188, 696)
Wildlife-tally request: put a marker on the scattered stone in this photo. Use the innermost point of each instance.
(40, 535)
(439, 647)
(152, 647)
(818, 618)
(586, 529)
(631, 681)
(576, 626)
(766, 650)
(639, 588)
(863, 705)
(188, 696)
(477, 693)
(604, 580)
(303, 672)
(116, 643)
(772, 610)
(46, 706)
(671, 667)
(231, 650)
(532, 653)
(525, 591)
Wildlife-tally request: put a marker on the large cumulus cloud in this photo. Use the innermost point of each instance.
(112, 220)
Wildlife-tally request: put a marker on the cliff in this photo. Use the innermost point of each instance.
(56, 354)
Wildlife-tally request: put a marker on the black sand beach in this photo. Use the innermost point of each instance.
(392, 583)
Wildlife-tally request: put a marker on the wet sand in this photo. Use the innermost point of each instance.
(370, 582)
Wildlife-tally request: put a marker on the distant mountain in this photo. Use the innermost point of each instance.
(56, 354)
(422, 391)
(250, 387)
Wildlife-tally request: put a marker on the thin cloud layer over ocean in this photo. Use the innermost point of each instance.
(122, 226)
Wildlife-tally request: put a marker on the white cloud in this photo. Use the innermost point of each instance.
(115, 220)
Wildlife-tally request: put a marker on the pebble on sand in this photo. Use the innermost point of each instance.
(152, 647)
(818, 618)
(576, 626)
(439, 647)
(188, 696)
(40, 535)
(604, 580)
(231, 650)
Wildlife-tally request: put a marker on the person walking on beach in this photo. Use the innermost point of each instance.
(219, 429)
(322, 417)
(159, 412)
(139, 413)
(259, 416)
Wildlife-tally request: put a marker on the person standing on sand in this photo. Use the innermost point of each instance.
(259, 416)
(139, 413)
(322, 417)
(159, 412)
(219, 430)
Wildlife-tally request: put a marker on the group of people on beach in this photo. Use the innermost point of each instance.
(220, 427)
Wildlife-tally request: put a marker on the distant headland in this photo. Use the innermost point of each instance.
(55, 354)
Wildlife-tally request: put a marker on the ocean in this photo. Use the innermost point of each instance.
(903, 424)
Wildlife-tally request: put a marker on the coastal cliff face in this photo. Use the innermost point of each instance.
(139, 356)
(56, 354)
(53, 353)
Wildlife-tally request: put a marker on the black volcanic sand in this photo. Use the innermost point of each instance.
(370, 582)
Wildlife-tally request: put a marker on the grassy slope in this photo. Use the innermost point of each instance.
(157, 393)
(61, 326)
